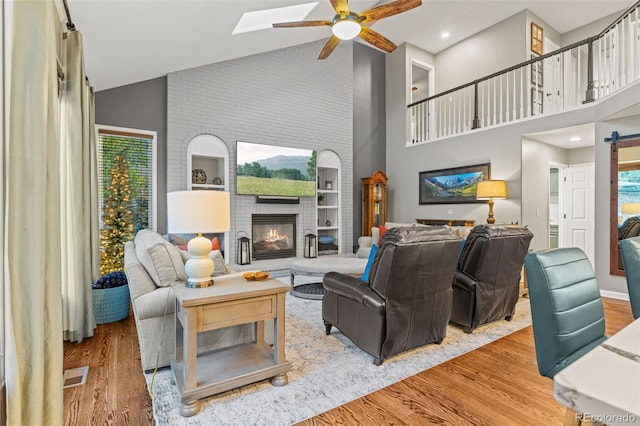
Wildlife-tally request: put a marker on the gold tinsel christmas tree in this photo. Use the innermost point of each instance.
(117, 218)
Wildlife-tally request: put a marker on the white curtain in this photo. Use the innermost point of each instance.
(33, 308)
(79, 195)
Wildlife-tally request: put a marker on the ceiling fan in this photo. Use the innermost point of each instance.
(347, 25)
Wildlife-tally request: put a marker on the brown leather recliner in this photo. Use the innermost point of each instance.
(407, 301)
(487, 281)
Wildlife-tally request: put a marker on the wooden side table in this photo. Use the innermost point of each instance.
(230, 301)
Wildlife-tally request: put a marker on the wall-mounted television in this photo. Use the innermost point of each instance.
(276, 171)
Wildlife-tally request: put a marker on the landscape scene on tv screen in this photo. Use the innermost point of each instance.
(275, 170)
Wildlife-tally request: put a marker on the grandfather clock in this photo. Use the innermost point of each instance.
(374, 201)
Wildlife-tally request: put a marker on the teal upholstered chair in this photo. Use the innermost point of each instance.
(566, 308)
(630, 249)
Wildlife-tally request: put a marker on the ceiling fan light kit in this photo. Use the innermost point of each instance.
(347, 25)
(346, 28)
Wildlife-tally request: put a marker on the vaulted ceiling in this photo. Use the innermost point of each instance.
(134, 40)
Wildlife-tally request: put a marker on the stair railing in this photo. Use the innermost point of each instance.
(566, 78)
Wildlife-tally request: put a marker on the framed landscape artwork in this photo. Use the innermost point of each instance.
(454, 185)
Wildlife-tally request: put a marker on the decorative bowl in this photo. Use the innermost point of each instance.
(255, 276)
(261, 276)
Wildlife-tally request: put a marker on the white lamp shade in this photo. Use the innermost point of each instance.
(491, 189)
(631, 208)
(346, 29)
(202, 211)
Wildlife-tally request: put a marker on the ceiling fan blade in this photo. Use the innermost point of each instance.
(340, 6)
(389, 9)
(329, 46)
(377, 39)
(301, 24)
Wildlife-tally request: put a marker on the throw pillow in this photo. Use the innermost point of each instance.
(383, 229)
(160, 258)
(367, 269)
(326, 239)
(219, 266)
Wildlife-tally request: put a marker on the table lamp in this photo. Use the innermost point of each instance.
(198, 212)
(490, 189)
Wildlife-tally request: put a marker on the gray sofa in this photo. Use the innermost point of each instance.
(153, 266)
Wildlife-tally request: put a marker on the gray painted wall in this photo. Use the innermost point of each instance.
(285, 97)
(369, 123)
(582, 155)
(498, 47)
(141, 106)
(589, 30)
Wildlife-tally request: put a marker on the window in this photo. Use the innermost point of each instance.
(139, 149)
(628, 190)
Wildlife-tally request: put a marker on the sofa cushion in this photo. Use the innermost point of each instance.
(160, 258)
(155, 303)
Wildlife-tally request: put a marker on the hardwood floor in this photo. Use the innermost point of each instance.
(115, 391)
(496, 384)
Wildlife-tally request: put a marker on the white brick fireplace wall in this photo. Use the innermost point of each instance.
(285, 97)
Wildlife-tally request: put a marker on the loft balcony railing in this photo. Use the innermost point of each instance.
(557, 81)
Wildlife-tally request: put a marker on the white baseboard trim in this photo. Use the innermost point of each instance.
(614, 295)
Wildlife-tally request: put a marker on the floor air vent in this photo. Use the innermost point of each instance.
(75, 377)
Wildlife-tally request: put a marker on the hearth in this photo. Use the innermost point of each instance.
(273, 236)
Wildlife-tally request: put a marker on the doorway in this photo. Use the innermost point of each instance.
(421, 81)
(555, 204)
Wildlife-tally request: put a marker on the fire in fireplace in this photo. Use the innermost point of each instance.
(274, 236)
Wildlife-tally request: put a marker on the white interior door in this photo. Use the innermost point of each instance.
(552, 80)
(579, 206)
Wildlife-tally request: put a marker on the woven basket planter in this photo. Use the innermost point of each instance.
(110, 304)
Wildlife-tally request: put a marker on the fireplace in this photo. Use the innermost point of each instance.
(273, 236)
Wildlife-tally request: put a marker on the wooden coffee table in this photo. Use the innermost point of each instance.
(230, 301)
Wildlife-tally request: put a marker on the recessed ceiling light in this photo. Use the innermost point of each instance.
(263, 19)
(575, 139)
(444, 34)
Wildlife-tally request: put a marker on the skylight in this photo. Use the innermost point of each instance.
(263, 19)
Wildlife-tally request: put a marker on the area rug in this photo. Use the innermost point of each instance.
(327, 371)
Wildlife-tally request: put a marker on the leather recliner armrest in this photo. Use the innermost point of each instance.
(354, 289)
(464, 281)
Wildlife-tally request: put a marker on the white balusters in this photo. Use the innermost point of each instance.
(521, 92)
